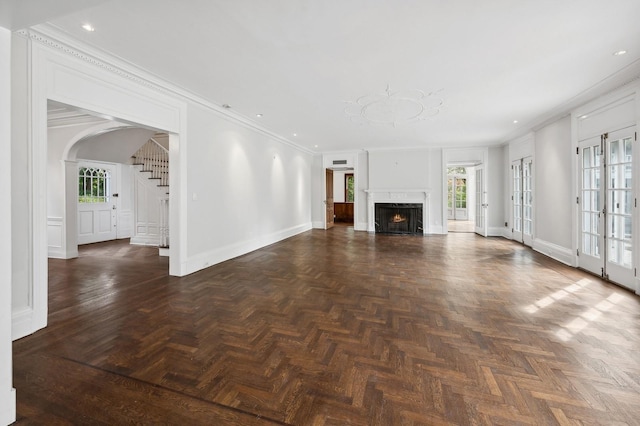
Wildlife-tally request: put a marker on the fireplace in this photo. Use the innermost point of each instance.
(398, 218)
(400, 199)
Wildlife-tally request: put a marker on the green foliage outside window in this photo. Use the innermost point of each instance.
(93, 185)
(349, 191)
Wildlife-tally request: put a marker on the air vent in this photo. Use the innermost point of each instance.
(339, 162)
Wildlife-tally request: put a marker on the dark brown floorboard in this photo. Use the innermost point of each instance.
(332, 328)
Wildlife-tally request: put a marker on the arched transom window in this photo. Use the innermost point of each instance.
(94, 185)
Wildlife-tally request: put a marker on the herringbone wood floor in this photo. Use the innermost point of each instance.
(333, 328)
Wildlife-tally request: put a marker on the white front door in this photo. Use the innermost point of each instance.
(606, 206)
(96, 202)
(481, 202)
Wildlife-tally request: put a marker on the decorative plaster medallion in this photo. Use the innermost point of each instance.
(393, 108)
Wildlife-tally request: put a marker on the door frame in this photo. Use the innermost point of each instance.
(467, 157)
(344, 161)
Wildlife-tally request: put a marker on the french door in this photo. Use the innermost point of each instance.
(606, 206)
(481, 202)
(522, 200)
(457, 198)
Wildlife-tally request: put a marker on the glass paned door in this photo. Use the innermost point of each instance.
(481, 202)
(516, 171)
(522, 200)
(450, 211)
(527, 201)
(619, 208)
(606, 206)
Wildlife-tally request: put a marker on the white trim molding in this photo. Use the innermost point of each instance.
(561, 254)
(412, 196)
(212, 257)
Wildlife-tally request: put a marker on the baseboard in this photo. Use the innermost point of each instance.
(212, 257)
(360, 226)
(435, 230)
(497, 231)
(23, 323)
(8, 407)
(163, 251)
(318, 225)
(554, 251)
(146, 240)
(58, 253)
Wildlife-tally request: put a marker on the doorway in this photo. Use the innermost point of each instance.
(461, 198)
(606, 203)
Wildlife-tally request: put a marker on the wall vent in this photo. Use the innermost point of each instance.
(339, 162)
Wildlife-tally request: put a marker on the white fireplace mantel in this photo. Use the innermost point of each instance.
(387, 195)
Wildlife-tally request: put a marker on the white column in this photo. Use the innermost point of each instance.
(7, 393)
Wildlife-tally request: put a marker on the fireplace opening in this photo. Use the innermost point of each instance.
(398, 218)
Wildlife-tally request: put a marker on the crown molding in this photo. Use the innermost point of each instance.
(620, 79)
(52, 37)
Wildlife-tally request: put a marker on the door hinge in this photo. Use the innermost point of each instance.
(577, 252)
(602, 272)
(577, 200)
(635, 135)
(634, 272)
(577, 150)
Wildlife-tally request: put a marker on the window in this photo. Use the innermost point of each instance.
(93, 185)
(348, 188)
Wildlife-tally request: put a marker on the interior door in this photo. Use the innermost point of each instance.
(481, 202)
(527, 201)
(619, 207)
(606, 206)
(516, 198)
(329, 200)
(450, 203)
(96, 204)
(522, 200)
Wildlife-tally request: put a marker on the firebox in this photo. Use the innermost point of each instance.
(398, 218)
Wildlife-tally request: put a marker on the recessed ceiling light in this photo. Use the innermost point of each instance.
(315, 146)
(295, 134)
(88, 27)
(582, 117)
(620, 52)
(515, 121)
(258, 115)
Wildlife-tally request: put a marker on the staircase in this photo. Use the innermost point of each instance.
(153, 159)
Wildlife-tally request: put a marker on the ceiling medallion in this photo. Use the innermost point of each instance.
(394, 108)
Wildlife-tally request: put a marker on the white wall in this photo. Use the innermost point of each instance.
(21, 247)
(7, 393)
(495, 192)
(399, 169)
(553, 200)
(338, 186)
(244, 190)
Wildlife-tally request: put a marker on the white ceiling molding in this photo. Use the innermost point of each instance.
(53, 38)
(394, 108)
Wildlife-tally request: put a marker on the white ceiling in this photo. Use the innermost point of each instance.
(301, 63)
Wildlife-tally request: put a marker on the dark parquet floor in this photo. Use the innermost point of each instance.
(333, 328)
